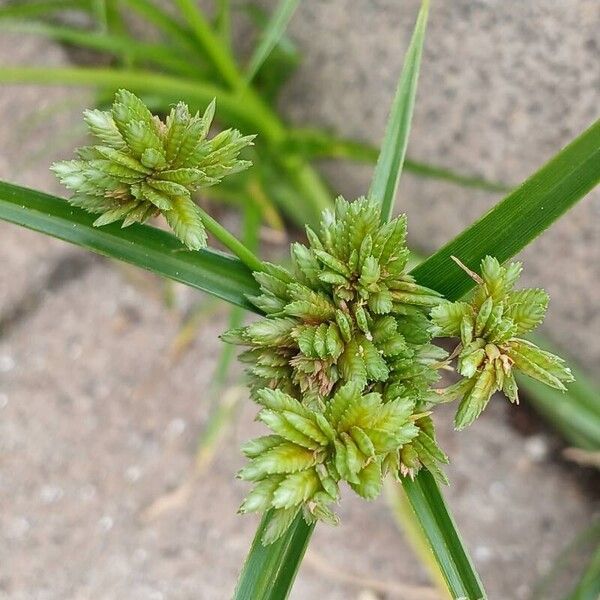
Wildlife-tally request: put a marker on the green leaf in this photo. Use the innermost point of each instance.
(122, 46)
(241, 108)
(519, 218)
(282, 61)
(140, 245)
(209, 41)
(271, 36)
(174, 30)
(391, 158)
(41, 7)
(314, 143)
(269, 571)
(442, 534)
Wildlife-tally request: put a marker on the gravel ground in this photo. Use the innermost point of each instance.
(98, 423)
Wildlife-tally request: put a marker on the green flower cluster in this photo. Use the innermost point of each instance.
(489, 350)
(342, 365)
(143, 167)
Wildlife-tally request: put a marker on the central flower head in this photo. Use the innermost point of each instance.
(346, 345)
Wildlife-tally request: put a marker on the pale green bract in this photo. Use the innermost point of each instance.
(143, 166)
(489, 350)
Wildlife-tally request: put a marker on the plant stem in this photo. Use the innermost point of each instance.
(230, 241)
(269, 571)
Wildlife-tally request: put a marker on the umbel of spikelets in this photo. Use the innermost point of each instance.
(490, 349)
(342, 366)
(142, 167)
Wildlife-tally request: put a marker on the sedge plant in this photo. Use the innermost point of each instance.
(342, 362)
(190, 53)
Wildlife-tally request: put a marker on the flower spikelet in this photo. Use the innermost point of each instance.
(143, 166)
(490, 350)
(341, 365)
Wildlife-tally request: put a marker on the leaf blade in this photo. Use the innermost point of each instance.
(520, 217)
(442, 534)
(147, 247)
(314, 143)
(393, 150)
(271, 35)
(269, 571)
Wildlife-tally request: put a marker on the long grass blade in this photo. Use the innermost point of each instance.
(442, 534)
(239, 109)
(518, 219)
(117, 45)
(27, 10)
(269, 571)
(271, 35)
(391, 158)
(314, 144)
(167, 25)
(140, 245)
(423, 492)
(409, 525)
(210, 42)
(223, 21)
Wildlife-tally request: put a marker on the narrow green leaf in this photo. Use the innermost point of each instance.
(269, 571)
(217, 53)
(140, 245)
(40, 8)
(391, 158)
(519, 218)
(314, 143)
(223, 21)
(588, 587)
(280, 64)
(118, 45)
(443, 537)
(167, 24)
(271, 35)
(238, 108)
(423, 492)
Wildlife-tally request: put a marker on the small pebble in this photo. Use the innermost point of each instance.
(18, 528)
(133, 474)
(7, 363)
(106, 523)
(140, 555)
(88, 492)
(536, 448)
(51, 493)
(483, 553)
(176, 427)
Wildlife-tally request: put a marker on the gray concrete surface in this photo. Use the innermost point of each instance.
(96, 424)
